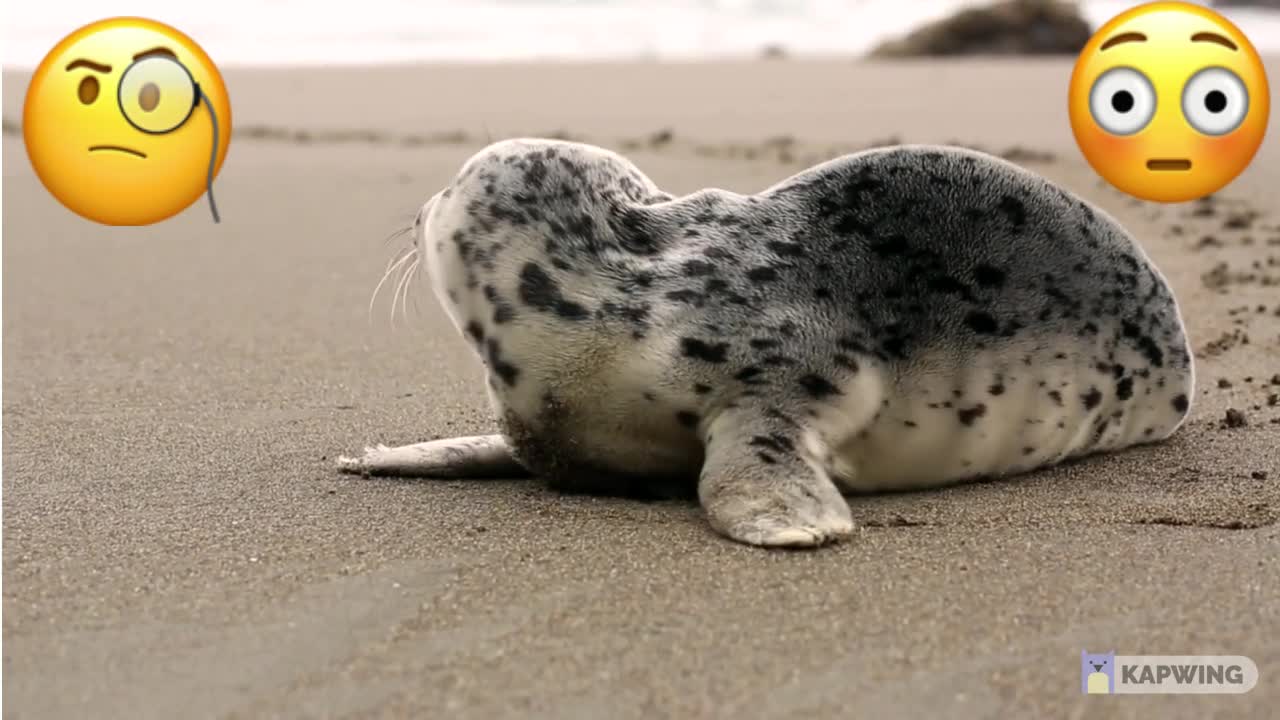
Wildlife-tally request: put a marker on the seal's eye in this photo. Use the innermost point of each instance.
(88, 90)
(1215, 101)
(1122, 101)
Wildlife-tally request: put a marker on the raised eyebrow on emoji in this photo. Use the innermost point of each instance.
(1214, 38)
(81, 62)
(156, 51)
(1123, 38)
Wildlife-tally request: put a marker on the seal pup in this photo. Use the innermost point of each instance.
(898, 318)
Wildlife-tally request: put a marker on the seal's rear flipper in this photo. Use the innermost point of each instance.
(478, 456)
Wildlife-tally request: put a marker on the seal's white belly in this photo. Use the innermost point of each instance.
(992, 417)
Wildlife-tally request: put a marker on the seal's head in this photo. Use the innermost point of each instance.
(556, 203)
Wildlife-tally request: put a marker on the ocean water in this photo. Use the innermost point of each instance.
(305, 32)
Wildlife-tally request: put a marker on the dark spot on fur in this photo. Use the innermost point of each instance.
(996, 389)
(777, 414)
(1124, 388)
(846, 362)
(701, 389)
(539, 290)
(630, 228)
(692, 297)
(1151, 351)
(766, 458)
(1091, 398)
(948, 284)
(505, 370)
(849, 343)
(714, 285)
(502, 312)
(748, 375)
(891, 246)
(536, 173)
(762, 274)
(988, 276)
(1056, 397)
(699, 350)
(968, 415)
(776, 443)
(687, 419)
(1100, 429)
(1014, 210)
(632, 313)
(786, 249)
(694, 268)
(818, 387)
(475, 331)
(981, 322)
(894, 346)
(642, 278)
(1180, 403)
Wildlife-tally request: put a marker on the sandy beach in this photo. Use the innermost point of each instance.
(177, 542)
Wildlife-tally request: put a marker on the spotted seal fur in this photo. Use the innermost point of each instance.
(898, 318)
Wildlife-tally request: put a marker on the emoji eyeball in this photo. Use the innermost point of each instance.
(1122, 101)
(87, 91)
(1215, 101)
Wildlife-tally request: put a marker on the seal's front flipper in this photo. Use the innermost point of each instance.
(479, 456)
(757, 487)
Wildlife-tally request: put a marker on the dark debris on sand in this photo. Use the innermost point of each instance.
(1012, 27)
(894, 520)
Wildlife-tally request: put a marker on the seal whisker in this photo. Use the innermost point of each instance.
(411, 273)
(397, 258)
(398, 234)
(391, 267)
(400, 283)
(395, 295)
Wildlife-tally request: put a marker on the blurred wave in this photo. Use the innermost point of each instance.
(303, 32)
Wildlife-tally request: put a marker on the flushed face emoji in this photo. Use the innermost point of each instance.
(127, 122)
(1169, 102)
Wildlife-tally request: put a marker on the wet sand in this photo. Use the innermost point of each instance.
(178, 544)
